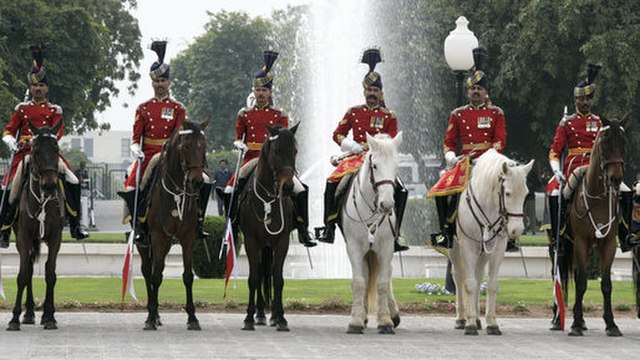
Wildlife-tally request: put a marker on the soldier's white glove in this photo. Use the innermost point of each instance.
(555, 167)
(450, 158)
(350, 146)
(637, 188)
(136, 152)
(11, 142)
(240, 145)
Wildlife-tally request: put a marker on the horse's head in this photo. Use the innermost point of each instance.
(44, 156)
(610, 147)
(513, 190)
(280, 150)
(191, 145)
(382, 168)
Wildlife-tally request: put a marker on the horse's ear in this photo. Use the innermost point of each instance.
(527, 168)
(272, 131)
(56, 127)
(294, 128)
(505, 168)
(34, 130)
(205, 123)
(605, 121)
(625, 120)
(397, 140)
(371, 141)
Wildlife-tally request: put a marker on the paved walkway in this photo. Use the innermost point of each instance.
(119, 336)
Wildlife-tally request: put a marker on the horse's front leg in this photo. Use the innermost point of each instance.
(492, 291)
(187, 279)
(394, 312)
(145, 268)
(277, 309)
(158, 256)
(359, 278)
(29, 316)
(24, 274)
(458, 274)
(48, 319)
(253, 255)
(383, 283)
(607, 252)
(581, 256)
(471, 290)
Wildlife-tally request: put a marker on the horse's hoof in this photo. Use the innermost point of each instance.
(396, 321)
(460, 324)
(150, 325)
(470, 330)
(273, 321)
(29, 319)
(614, 331)
(50, 325)
(248, 325)
(282, 326)
(353, 329)
(262, 321)
(583, 326)
(158, 322)
(493, 330)
(479, 324)
(13, 326)
(194, 325)
(386, 329)
(555, 326)
(576, 331)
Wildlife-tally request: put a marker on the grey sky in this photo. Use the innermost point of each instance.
(178, 22)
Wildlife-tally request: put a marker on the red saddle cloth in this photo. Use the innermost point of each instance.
(454, 180)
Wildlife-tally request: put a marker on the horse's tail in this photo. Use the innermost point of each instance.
(636, 276)
(266, 265)
(372, 288)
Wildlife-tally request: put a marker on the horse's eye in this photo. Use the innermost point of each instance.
(507, 194)
(375, 167)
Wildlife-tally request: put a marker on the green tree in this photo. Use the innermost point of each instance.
(91, 44)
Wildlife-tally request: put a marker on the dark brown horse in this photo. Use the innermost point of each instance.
(265, 217)
(173, 214)
(40, 219)
(593, 218)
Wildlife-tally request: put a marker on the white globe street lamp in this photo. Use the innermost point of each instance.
(458, 52)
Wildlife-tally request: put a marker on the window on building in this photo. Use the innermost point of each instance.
(88, 147)
(124, 147)
(76, 143)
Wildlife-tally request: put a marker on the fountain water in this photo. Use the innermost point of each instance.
(338, 32)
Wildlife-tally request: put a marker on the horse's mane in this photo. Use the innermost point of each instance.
(285, 137)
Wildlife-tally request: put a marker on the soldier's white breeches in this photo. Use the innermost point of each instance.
(297, 185)
(624, 187)
(68, 174)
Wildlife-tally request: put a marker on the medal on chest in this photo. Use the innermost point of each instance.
(167, 114)
(484, 122)
(592, 126)
(376, 122)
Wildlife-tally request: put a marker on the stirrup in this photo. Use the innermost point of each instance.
(512, 246)
(325, 234)
(628, 244)
(79, 233)
(441, 240)
(305, 239)
(399, 246)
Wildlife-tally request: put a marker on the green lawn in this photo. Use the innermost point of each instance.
(95, 237)
(98, 292)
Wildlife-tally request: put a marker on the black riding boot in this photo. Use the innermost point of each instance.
(140, 228)
(626, 235)
(203, 201)
(400, 198)
(326, 234)
(232, 205)
(7, 216)
(446, 208)
(301, 217)
(555, 225)
(72, 192)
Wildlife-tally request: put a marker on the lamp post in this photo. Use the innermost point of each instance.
(458, 52)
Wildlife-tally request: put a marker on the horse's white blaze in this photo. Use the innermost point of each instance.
(495, 180)
(366, 221)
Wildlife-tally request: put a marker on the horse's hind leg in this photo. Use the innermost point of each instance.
(25, 273)
(607, 252)
(187, 279)
(48, 319)
(581, 255)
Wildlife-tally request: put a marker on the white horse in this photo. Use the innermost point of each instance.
(368, 225)
(489, 212)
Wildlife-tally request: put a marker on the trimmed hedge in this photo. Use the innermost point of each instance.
(215, 225)
(420, 220)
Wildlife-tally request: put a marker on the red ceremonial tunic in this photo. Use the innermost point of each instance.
(476, 129)
(40, 114)
(155, 122)
(252, 124)
(577, 133)
(362, 120)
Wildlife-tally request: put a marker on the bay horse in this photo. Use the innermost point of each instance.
(265, 217)
(593, 218)
(41, 218)
(368, 223)
(490, 211)
(173, 214)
